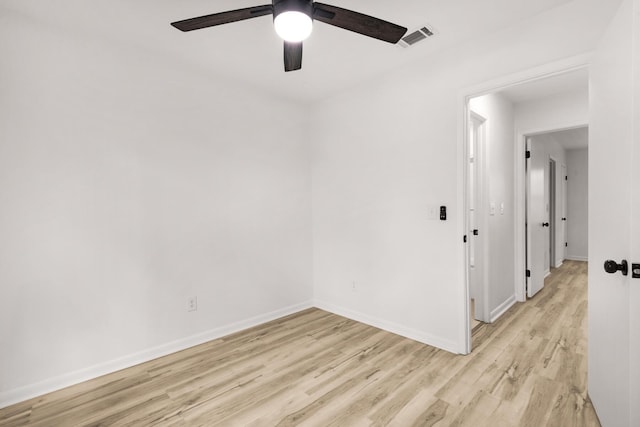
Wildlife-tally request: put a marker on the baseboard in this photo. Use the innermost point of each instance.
(30, 391)
(577, 258)
(502, 308)
(392, 327)
(559, 263)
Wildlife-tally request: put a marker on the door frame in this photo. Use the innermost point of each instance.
(481, 249)
(573, 63)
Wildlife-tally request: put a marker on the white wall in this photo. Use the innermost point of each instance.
(499, 153)
(568, 109)
(386, 150)
(128, 184)
(577, 204)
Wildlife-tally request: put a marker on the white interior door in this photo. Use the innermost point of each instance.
(614, 152)
(551, 215)
(563, 214)
(475, 193)
(537, 233)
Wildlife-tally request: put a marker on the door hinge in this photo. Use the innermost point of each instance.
(527, 154)
(528, 273)
(566, 178)
(566, 244)
(464, 239)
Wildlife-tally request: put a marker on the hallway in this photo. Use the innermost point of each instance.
(538, 354)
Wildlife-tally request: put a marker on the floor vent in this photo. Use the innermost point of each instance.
(416, 36)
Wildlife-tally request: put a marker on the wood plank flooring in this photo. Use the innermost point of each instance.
(314, 368)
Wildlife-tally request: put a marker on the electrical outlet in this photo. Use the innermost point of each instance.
(192, 303)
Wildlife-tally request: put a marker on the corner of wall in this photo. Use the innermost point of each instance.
(10, 397)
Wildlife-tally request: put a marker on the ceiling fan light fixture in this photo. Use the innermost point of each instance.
(293, 21)
(293, 26)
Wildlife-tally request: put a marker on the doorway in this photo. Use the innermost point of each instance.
(505, 198)
(546, 201)
(551, 203)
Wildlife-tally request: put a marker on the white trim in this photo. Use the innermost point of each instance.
(577, 258)
(563, 176)
(30, 391)
(559, 263)
(502, 308)
(464, 327)
(551, 69)
(392, 327)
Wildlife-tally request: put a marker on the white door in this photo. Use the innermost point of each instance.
(537, 232)
(475, 192)
(614, 232)
(563, 214)
(551, 215)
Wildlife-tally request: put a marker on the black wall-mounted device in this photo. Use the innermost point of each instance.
(443, 213)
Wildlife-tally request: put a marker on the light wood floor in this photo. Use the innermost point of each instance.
(318, 369)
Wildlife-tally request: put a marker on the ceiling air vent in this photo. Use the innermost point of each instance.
(416, 36)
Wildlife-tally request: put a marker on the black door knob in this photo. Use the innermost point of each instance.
(545, 224)
(613, 267)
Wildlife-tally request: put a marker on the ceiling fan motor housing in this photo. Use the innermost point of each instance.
(304, 6)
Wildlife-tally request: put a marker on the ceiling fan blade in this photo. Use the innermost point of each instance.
(358, 22)
(292, 56)
(223, 18)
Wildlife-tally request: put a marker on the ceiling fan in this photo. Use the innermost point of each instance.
(293, 21)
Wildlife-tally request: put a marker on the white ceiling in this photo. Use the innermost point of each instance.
(572, 139)
(249, 52)
(574, 81)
